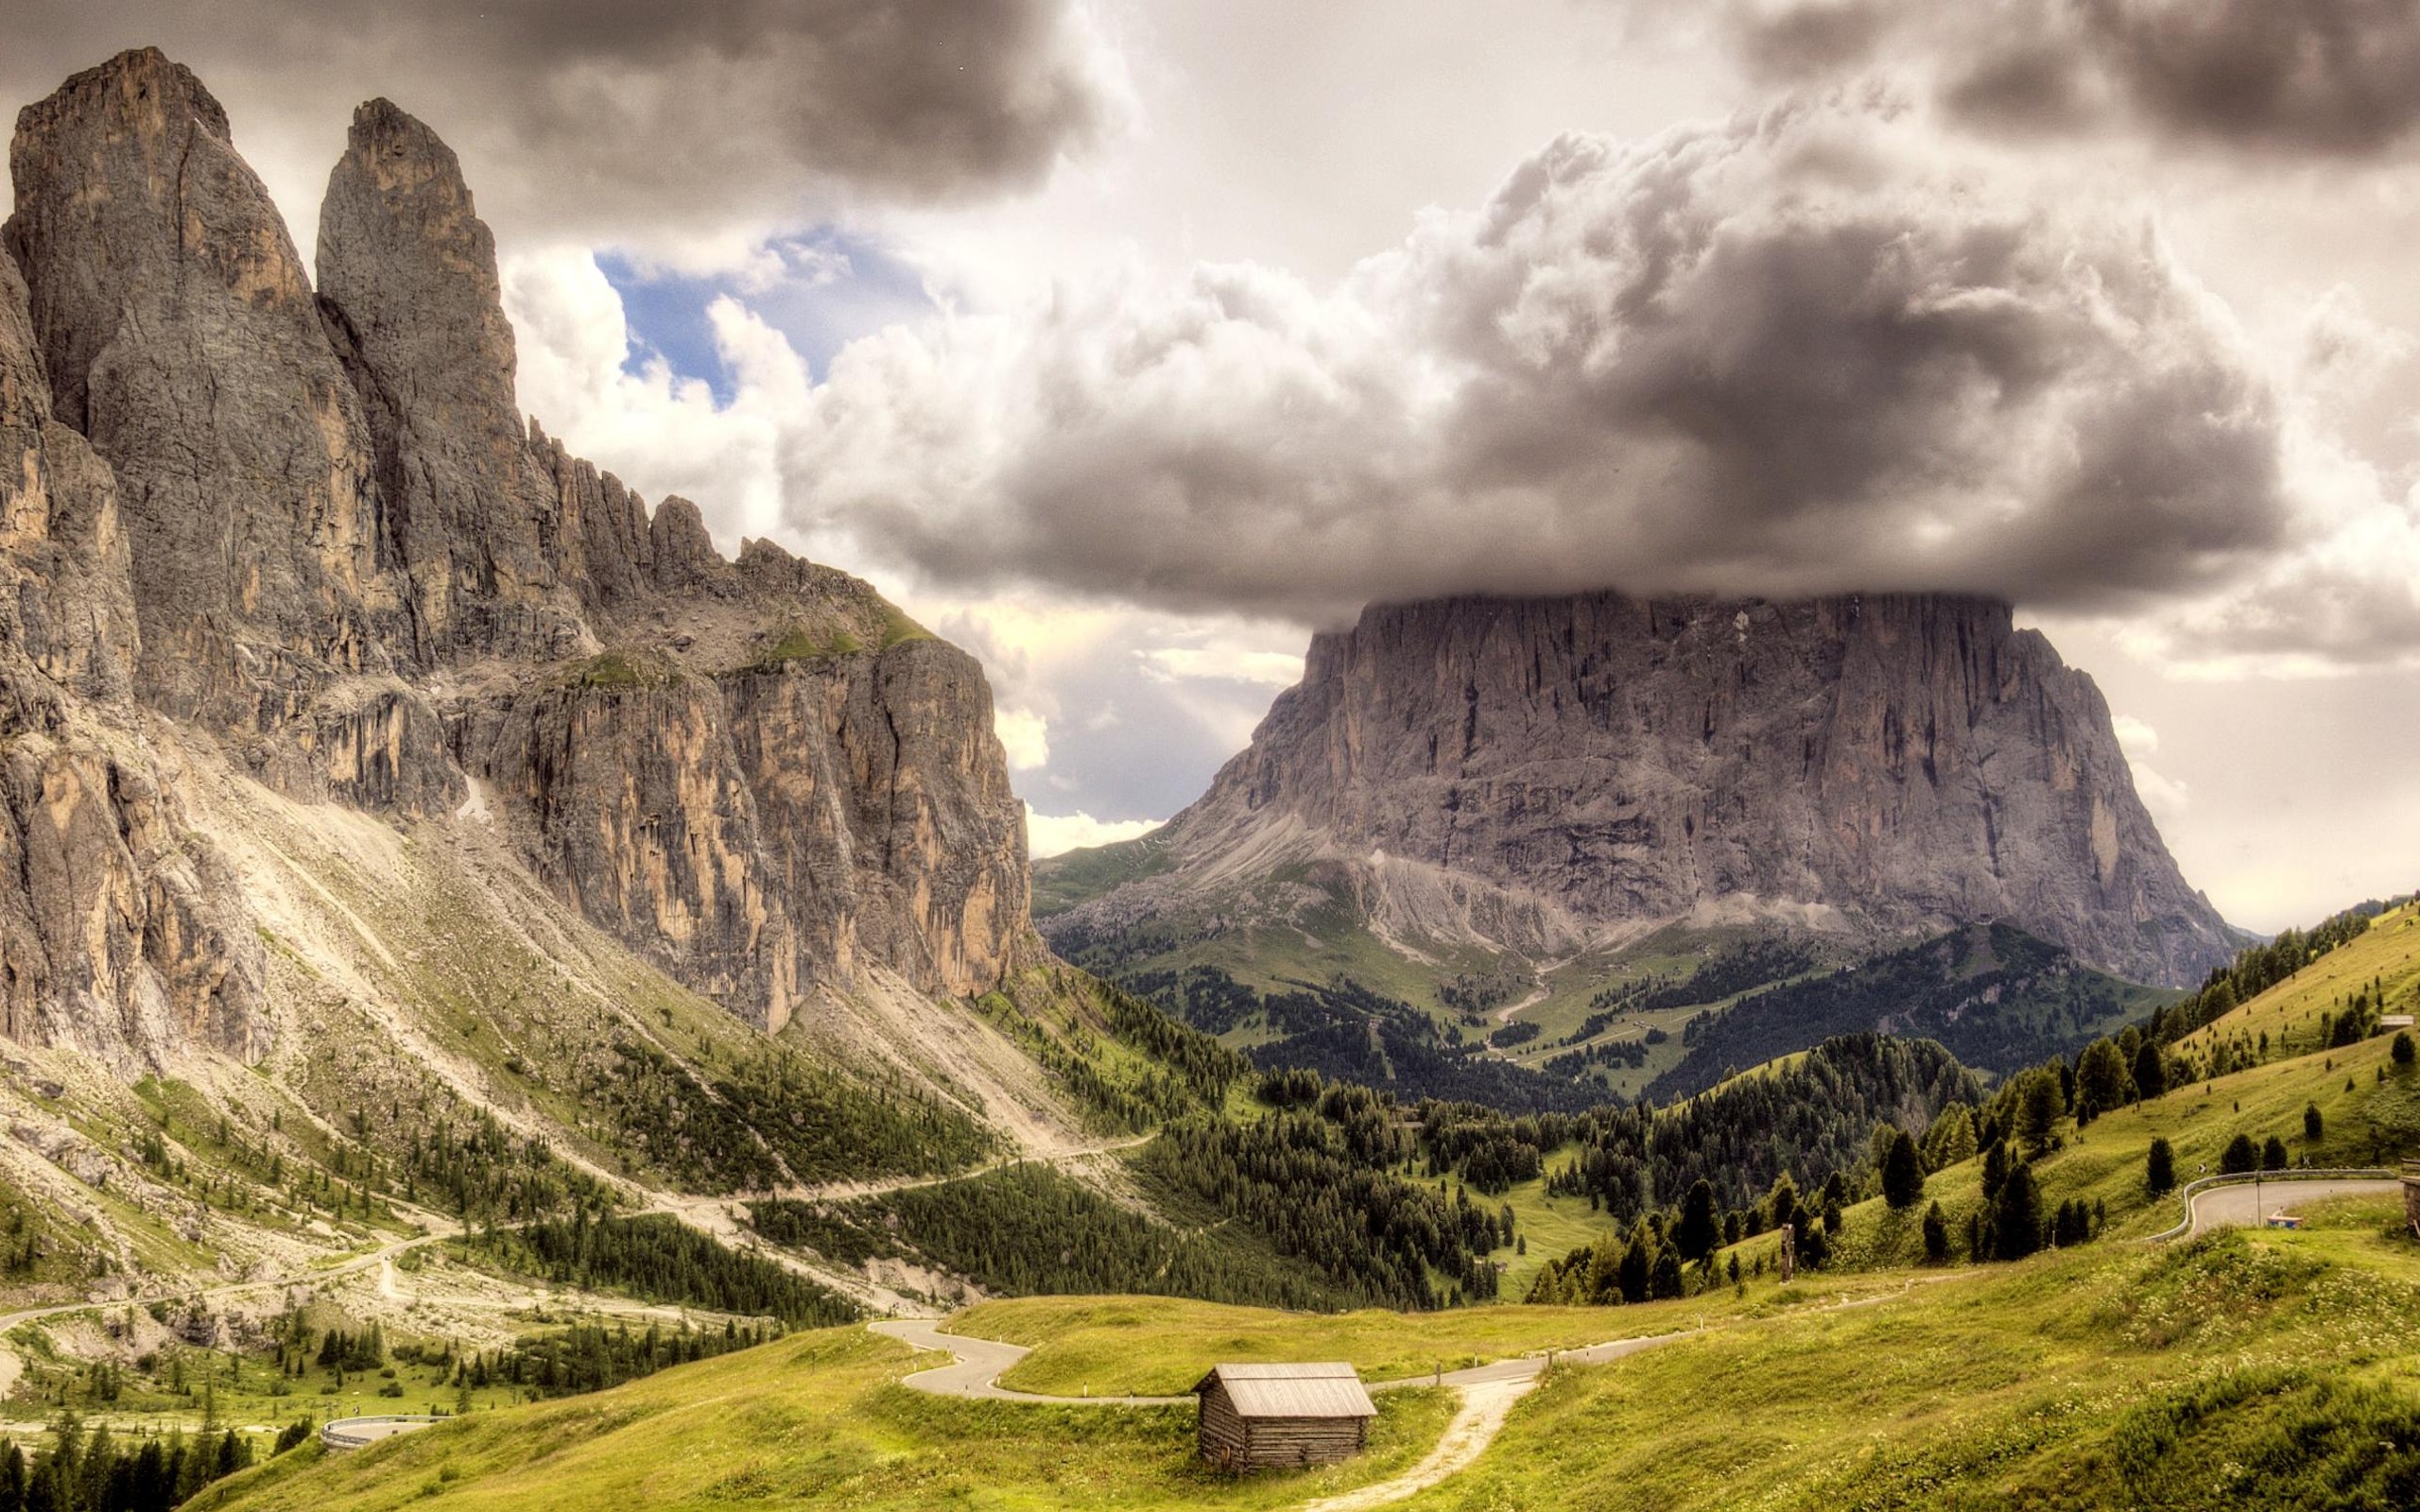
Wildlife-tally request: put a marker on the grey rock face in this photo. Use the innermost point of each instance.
(408, 285)
(884, 798)
(115, 932)
(179, 336)
(643, 819)
(1882, 763)
(314, 531)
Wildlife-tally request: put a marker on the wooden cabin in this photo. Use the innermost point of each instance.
(1264, 1417)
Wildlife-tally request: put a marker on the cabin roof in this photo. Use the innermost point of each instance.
(1323, 1390)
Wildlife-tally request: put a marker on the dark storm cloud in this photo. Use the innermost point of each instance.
(1782, 355)
(2331, 78)
(599, 116)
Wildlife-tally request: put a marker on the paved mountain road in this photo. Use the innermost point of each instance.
(2242, 1206)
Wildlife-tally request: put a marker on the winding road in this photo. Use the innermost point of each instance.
(1487, 1393)
(2242, 1206)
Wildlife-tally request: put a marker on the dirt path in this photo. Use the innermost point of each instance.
(383, 1257)
(1476, 1423)
(979, 1363)
(713, 1216)
(1488, 1393)
(1541, 988)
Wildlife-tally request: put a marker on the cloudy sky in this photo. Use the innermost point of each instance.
(1125, 343)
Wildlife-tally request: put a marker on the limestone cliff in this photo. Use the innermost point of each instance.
(115, 935)
(1542, 774)
(307, 534)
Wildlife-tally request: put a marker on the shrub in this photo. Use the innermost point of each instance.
(2241, 1156)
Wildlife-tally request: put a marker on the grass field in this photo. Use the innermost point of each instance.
(2239, 1370)
(1550, 1228)
(2384, 961)
(2242, 1369)
(815, 1420)
(2279, 1369)
(1160, 1346)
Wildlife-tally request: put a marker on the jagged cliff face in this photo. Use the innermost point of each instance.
(306, 536)
(115, 932)
(1536, 773)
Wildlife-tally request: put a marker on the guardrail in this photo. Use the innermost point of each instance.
(2243, 1178)
(346, 1433)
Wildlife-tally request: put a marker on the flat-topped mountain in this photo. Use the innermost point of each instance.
(1559, 775)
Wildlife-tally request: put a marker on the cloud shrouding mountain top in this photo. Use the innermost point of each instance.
(2330, 78)
(607, 118)
(1793, 352)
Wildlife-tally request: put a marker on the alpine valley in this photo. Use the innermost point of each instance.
(480, 965)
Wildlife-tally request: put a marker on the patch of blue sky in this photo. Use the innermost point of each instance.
(821, 289)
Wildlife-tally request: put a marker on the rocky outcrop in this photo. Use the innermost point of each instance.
(311, 532)
(180, 336)
(1533, 772)
(408, 286)
(859, 768)
(115, 935)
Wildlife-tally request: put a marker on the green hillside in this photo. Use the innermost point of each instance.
(1996, 997)
(2244, 1370)
(2240, 1368)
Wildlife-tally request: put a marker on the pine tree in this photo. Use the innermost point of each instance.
(2272, 1154)
(1903, 1173)
(1936, 1236)
(1781, 1204)
(2159, 1168)
(1995, 1169)
(1666, 1282)
(2103, 1081)
(1636, 1272)
(1697, 1234)
(1951, 1138)
(2240, 1155)
(2313, 1126)
(2039, 1110)
(2016, 1215)
(2403, 1051)
(2151, 1071)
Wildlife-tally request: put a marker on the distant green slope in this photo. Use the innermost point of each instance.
(1062, 882)
(1998, 998)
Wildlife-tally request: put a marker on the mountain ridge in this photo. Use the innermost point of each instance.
(359, 573)
(1557, 775)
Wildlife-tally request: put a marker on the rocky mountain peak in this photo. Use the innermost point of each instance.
(1549, 774)
(413, 301)
(342, 566)
(180, 336)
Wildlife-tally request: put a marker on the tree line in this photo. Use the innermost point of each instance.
(1805, 1119)
(2257, 967)
(1321, 1177)
(1031, 1230)
(592, 1357)
(2041, 1002)
(95, 1472)
(659, 1258)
